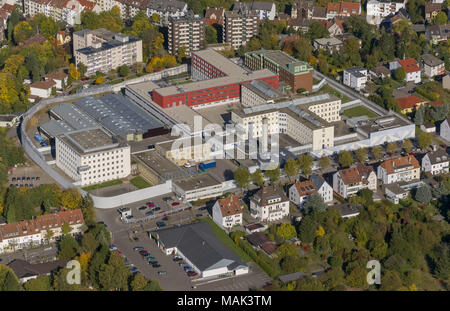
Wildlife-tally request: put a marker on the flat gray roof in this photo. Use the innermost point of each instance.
(196, 182)
(118, 114)
(54, 128)
(220, 62)
(89, 140)
(73, 116)
(162, 166)
(264, 90)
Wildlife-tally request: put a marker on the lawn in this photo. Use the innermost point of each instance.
(225, 239)
(359, 111)
(140, 183)
(328, 89)
(103, 185)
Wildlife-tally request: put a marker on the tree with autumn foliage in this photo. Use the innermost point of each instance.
(71, 198)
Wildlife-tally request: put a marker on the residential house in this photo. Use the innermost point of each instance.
(323, 188)
(436, 162)
(428, 127)
(378, 10)
(355, 78)
(446, 82)
(319, 13)
(405, 168)
(63, 37)
(42, 89)
(259, 240)
(389, 22)
(348, 210)
(444, 131)
(26, 271)
(380, 72)
(335, 27)
(214, 16)
(330, 44)
(129, 8)
(227, 212)
(350, 181)
(343, 9)
(431, 10)
(395, 193)
(411, 67)
(299, 24)
(302, 8)
(166, 9)
(409, 103)
(264, 10)
(432, 66)
(26, 233)
(59, 77)
(269, 204)
(300, 193)
(437, 33)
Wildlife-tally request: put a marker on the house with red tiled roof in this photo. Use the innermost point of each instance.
(59, 77)
(343, 9)
(227, 212)
(214, 16)
(412, 69)
(402, 169)
(335, 27)
(409, 103)
(350, 181)
(27, 233)
(299, 193)
(42, 89)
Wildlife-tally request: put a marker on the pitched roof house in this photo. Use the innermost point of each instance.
(227, 212)
(351, 180)
(343, 9)
(436, 162)
(409, 103)
(269, 204)
(400, 169)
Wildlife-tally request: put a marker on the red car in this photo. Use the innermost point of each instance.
(120, 253)
(150, 204)
(175, 203)
(191, 274)
(143, 252)
(83, 79)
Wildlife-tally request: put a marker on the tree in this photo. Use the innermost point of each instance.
(377, 152)
(68, 247)
(8, 279)
(441, 261)
(71, 198)
(305, 163)
(181, 53)
(155, 18)
(124, 70)
(307, 230)
(258, 178)
(400, 74)
(286, 231)
(82, 68)
(303, 49)
(345, 158)
(88, 243)
(211, 34)
(114, 275)
(391, 147)
(139, 283)
(66, 228)
(100, 80)
(419, 116)
(49, 234)
(324, 162)
(424, 140)
(291, 167)
(274, 174)
(423, 194)
(361, 154)
(407, 145)
(440, 19)
(315, 203)
(22, 31)
(391, 281)
(42, 284)
(317, 30)
(73, 72)
(242, 176)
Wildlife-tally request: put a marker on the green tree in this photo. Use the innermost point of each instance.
(309, 284)
(407, 145)
(315, 203)
(361, 154)
(274, 174)
(419, 116)
(440, 19)
(8, 279)
(68, 247)
(242, 177)
(181, 53)
(211, 34)
(324, 162)
(441, 261)
(307, 230)
(424, 140)
(124, 70)
(391, 147)
(317, 30)
(391, 281)
(400, 74)
(286, 231)
(258, 178)
(423, 194)
(114, 275)
(139, 283)
(305, 162)
(303, 49)
(377, 152)
(291, 167)
(345, 158)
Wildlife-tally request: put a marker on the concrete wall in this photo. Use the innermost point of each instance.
(131, 197)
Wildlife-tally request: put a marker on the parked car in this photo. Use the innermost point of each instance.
(142, 208)
(136, 239)
(156, 265)
(150, 204)
(191, 274)
(165, 218)
(112, 248)
(149, 213)
(186, 268)
(150, 258)
(133, 269)
(138, 248)
(160, 224)
(199, 215)
(176, 258)
(152, 262)
(175, 203)
(181, 263)
(162, 272)
(143, 251)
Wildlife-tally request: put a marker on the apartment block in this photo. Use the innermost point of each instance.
(91, 156)
(187, 31)
(296, 74)
(239, 27)
(264, 10)
(379, 9)
(343, 9)
(166, 9)
(103, 50)
(400, 169)
(257, 93)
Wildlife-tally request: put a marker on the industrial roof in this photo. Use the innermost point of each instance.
(118, 114)
(73, 116)
(89, 140)
(263, 89)
(196, 182)
(220, 62)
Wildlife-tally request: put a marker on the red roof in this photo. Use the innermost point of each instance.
(341, 6)
(409, 102)
(410, 65)
(436, 103)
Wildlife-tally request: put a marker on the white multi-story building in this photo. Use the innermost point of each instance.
(355, 78)
(269, 204)
(301, 192)
(42, 229)
(378, 10)
(91, 156)
(400, 169)
(258, 93)
(227, 212)
(436, 162)
(103, 50)
(350, 181)
(433, 66)
(413, 72)
(202, 186)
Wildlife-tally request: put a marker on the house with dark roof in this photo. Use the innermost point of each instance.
(380, 72)
(348, 210)
(26, 271)
(432, 65)
(436, 162)
(395, 193)
(214, 16)
(319, 13)
(269, 204)
(437, 33)
(259, 240)
(199, 247)
(264, 10)
(227, 212)
(432, 10)
(350, 181)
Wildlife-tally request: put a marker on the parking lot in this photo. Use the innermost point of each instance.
(31, 176)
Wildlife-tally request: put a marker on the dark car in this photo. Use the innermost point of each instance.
(165, 218)
(199, 215)
(160, 224)
(156, 265)
(142, 208)
(177, 259)
(191, 274)
(136, 239)
(156, 208)
(149, 213)
(175, 203)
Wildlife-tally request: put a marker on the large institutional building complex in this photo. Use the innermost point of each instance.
(296, 74)
(92, 156)
(103, 50)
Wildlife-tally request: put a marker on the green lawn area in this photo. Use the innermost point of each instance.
(103, 185)
(225, 239)
(140, 183)
(359, 111)
(328, 89)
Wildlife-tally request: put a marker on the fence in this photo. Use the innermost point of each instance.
(149, 217)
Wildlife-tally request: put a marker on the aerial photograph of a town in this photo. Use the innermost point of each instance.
(219, 146)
